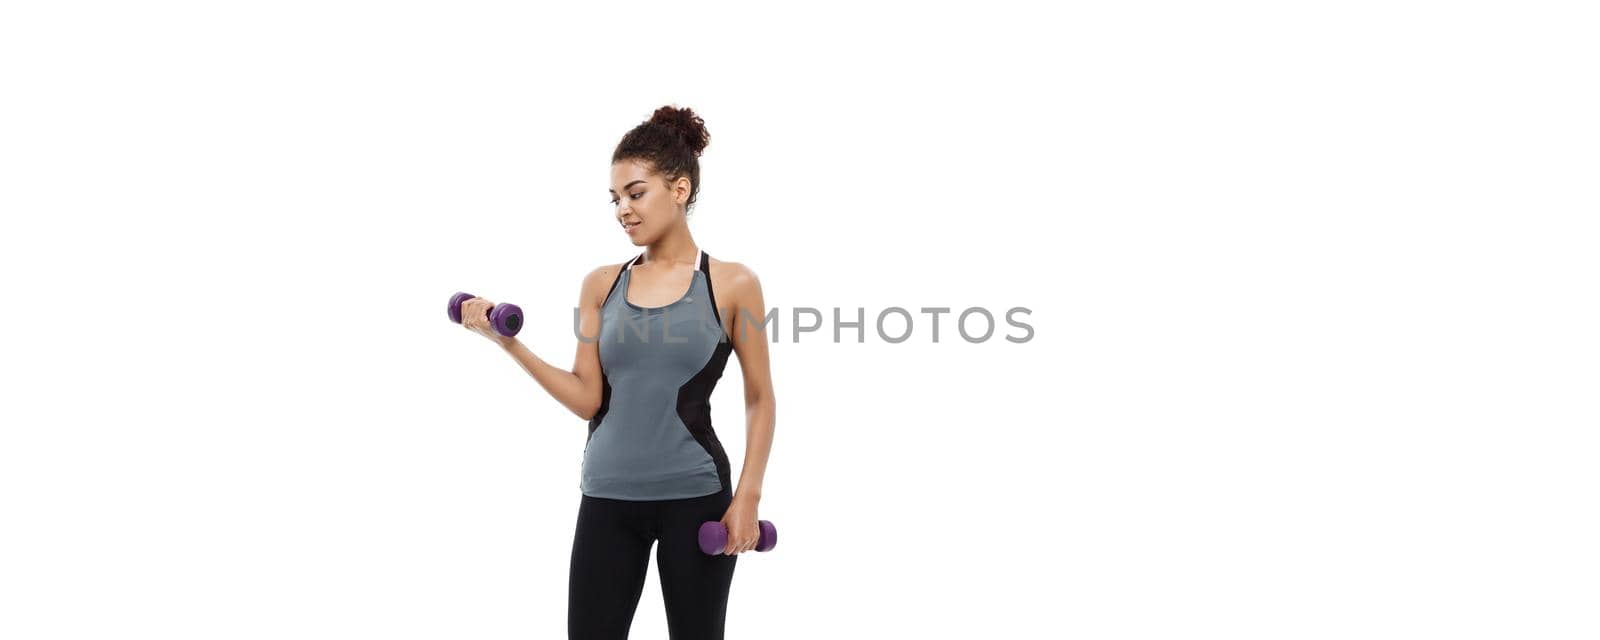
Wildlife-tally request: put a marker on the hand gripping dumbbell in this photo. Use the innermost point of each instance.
(714, 537)
(506, 318)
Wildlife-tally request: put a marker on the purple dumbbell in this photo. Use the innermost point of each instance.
(714, 537)
(506, 318)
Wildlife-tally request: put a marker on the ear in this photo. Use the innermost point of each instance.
(680, 190)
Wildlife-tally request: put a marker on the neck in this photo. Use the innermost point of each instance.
(673, 249)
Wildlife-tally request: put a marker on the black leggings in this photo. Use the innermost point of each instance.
(611, 553)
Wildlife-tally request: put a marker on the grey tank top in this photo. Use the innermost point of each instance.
(652, 437)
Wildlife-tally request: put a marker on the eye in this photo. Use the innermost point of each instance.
(631, 197)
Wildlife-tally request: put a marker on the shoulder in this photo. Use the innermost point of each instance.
(602, 274)
(597, 283)
(737, 279)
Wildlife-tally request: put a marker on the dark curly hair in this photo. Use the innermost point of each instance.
(671, 141)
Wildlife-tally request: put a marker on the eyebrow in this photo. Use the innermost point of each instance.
(625, 187)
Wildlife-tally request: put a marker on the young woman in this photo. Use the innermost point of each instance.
(656, 332)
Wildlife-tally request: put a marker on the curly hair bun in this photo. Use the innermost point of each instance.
(685, 124)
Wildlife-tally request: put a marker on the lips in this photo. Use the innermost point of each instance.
(630, 226)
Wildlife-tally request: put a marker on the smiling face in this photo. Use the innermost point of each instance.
(645, 205)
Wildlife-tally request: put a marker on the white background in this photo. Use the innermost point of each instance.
(1313, 290)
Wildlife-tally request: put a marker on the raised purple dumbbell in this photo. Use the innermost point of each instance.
(506, 318)
(714, 537)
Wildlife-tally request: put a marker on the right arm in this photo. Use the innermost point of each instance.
(579, 389)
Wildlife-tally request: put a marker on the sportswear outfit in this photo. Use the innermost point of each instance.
(653, 469)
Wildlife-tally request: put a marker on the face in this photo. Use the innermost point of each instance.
(645, 205)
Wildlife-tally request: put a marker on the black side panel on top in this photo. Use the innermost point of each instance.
(694, 408)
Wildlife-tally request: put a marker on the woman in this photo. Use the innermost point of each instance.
(655, 334)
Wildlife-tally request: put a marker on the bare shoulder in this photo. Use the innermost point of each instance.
(598, 282)
(737, 279)
(738, 293)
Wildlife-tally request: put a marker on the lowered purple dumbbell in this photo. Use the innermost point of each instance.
(714, 537)
(506, 318)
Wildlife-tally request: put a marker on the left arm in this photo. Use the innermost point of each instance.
(748, 310)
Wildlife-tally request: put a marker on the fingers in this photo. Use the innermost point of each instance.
(738, 544)
(469, 311)
(475, 314)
